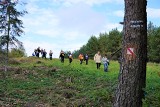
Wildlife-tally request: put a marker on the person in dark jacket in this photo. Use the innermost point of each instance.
(44, 54)
(35, 52)
(61, 56)
(86, 58)
(50, 54)
(70, 57)
(38, 51)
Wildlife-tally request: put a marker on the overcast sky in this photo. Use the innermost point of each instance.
(68, 24)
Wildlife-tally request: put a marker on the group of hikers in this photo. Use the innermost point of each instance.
(97, 57)
(43, 53)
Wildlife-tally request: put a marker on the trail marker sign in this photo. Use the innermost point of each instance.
(130, 51)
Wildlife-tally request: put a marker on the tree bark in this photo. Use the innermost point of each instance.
(132, 77)
(8, 37)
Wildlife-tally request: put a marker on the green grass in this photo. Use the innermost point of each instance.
(35, 82)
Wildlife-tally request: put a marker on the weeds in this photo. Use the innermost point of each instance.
(38, 82)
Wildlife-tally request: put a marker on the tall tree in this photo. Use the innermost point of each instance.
(150, 28)
(153, 45)
(11, 26)
(92, 46)
(115, 43)
(103, 43)
(132, 77)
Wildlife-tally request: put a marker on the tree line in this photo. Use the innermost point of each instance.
(153, 43)
(111, 44)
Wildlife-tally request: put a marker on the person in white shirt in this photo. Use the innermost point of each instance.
(97, 59)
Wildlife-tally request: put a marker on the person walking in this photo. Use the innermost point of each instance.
(38, 51)
(70, 57)
(61, 56)
(44, 54)
(35, 52)
(105, 62)
(86, 58)
(81, 57)
(41, 53)
(50, 54)
(97, 59)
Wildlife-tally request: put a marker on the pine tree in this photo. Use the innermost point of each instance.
(11, 26)
(132, 78)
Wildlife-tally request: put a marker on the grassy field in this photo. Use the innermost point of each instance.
(33, 82)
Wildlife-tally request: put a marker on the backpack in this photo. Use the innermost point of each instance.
(108, 62)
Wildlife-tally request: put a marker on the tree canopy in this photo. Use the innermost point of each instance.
(106, 43)
(111, 43)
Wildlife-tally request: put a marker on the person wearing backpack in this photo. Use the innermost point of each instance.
(70, 57)
(105, 62)
(61, 56)
(97, 59)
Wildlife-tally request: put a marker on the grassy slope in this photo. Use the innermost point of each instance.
(35, 82)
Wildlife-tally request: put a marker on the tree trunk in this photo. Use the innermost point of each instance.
(8, 37)
(132, 77)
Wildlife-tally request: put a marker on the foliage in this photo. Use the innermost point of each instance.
(153, 43)
(11, 26)
(52, 83)
(17, 52)
(92, 46)
(110, 44)
(105, 43)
